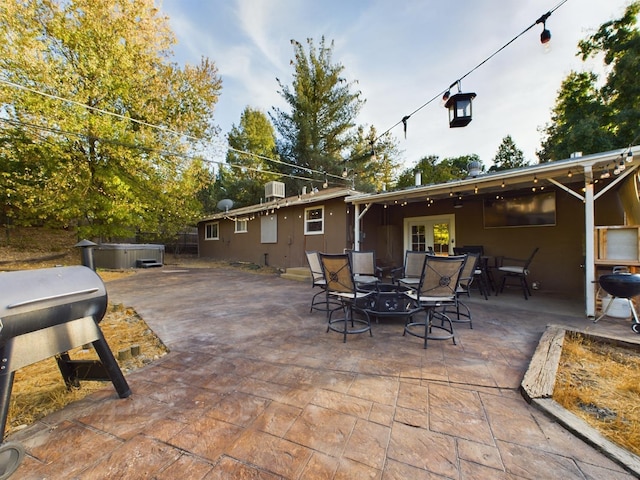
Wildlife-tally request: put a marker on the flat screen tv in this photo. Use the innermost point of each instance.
(536, 209)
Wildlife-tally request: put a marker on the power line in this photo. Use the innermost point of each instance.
(168, 130)
(95, 109)
(167, 153)
(404, 119)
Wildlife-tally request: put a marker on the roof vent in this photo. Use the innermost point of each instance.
(273, 190)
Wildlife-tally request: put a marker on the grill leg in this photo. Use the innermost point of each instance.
(607, 309)
(111, 366)
(6, 384)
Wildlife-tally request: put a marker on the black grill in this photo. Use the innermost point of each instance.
(45, 313)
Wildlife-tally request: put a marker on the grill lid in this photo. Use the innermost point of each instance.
(35, 299)
(622, 285)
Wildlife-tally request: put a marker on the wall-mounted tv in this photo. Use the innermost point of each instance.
(536, 209)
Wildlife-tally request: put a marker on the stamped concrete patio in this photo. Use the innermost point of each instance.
(255, 388)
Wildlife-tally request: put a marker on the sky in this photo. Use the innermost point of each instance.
(402, 54)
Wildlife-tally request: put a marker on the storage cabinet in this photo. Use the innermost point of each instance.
(618, 245)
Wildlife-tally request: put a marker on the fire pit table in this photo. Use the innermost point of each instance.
(390, 301)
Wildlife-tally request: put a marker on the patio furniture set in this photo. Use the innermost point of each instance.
(353, 291)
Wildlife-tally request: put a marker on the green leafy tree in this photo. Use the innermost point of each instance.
(591, 119)
(432, 170)
(252, 144)
(319, 128)
(92, 107)
(372, 163)
(508, 156)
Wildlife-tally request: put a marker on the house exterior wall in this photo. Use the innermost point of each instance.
(292, 242)
(558, 265)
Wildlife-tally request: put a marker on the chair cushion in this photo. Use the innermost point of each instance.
(365, 279)
(514, 269)
(426, 300)
(350, 295)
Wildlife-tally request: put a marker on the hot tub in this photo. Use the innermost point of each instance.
(119, 256)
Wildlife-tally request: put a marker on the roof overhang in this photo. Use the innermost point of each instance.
(572, 171)
(311, 198)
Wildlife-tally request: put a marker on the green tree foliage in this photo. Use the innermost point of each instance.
(590, 119)
(252, 144)
(372, 163)
(434, 171)
(508, 156)
(319, 129)
(64, 66)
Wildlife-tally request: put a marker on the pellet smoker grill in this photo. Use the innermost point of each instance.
(45, 313)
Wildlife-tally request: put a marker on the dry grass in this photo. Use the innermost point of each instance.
(600, 383)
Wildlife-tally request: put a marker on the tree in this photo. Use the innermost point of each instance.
(98, 127)
(508, 156)
(372, 162)
(577, 120)
(320, 127)
(252, 143)
(591, 119)
(434, 171)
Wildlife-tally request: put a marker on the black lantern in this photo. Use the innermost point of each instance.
(459, 106)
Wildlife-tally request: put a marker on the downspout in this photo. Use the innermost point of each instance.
(589, 226)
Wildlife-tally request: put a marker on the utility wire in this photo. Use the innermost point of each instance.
(168, 130)
(406, 117)
(167, 153)
(403, 120)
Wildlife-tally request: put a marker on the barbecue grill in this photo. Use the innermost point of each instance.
(47, 312)
(622, 285)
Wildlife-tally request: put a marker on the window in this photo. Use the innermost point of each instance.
(241, 225)
(314, 221)
(211, 231)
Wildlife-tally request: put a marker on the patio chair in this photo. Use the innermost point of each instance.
(436, 290)
(518, 269)
(341, 287)
(467, 277)
(409, 274)
(323, 303)
(363, 265)
(481, 274)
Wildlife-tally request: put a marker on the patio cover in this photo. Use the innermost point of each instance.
(577, 169)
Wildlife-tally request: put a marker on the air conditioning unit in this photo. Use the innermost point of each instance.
(273, 190)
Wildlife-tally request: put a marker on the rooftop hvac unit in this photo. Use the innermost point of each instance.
(273, 190)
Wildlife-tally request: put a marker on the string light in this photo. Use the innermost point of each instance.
(545, 36)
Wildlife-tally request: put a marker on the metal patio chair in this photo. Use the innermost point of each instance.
(324, 303)
(436, 290)
(409, 274)
(363, 265)
(467, 277)
(342, 287)
(518, 269)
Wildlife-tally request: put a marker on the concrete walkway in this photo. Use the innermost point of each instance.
(255, 388)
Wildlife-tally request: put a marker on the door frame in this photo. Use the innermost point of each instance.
(429, 219)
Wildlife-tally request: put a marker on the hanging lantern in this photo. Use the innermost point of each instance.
(459, 106)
